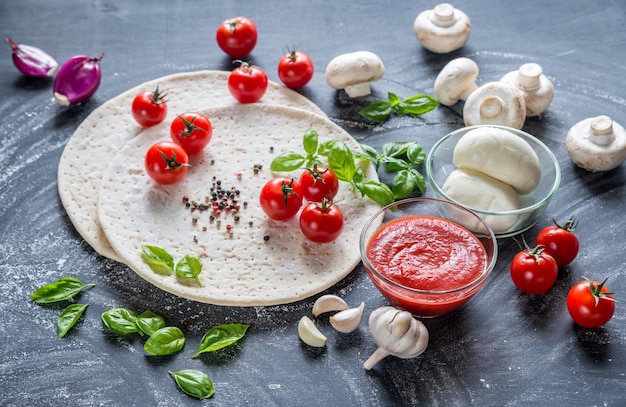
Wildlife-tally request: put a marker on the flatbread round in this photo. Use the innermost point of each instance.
(111, 125)
(259, 262)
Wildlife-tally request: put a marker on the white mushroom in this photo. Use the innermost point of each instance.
(442, 29)
(597, 144)
(354, 72)
(495, 103)
(537, 88)
(456, 81)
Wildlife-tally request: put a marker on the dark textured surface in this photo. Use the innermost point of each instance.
(503, 348)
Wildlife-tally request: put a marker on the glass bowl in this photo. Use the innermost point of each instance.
(439, 165)
(426, 269)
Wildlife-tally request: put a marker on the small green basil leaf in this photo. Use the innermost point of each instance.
(395, 148)
(378, 111)
(287, 161)
(221, 336)
(403, 185)
(377, 191)
(165, 341)
(310, 141)
(358, 175)
(121, 321)
(418, 179)
(341, 161)
(419, 104)
(149, 322)
(189, 268)
(62, 289)
(395, 164)
(415, 153)
(158, 259)
(394, 100)
(68, 318)
(326, 147)
(370, 152)
(194, 383)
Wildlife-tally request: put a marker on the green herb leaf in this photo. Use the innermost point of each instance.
(68, 318)
(189, 268)
(378, 111)
(418, 179)
(395, 148)
(61, 290)
(370, 152)
(403, 185)
(396, 164)
(194, 383)
(158, 259)
(287, 161)
(149, 322)
(416, 154)
(377, 191)
(121, 321)
(165, 341)
(310, 141)
(394, 100)
(419, 104)
(221, 336)
(341, 161)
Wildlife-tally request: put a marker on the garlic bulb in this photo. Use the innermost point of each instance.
(396, 333)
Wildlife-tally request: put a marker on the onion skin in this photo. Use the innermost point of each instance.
(32, 61)
(77, 80)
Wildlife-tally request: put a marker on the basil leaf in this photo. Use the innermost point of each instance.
(287, 161)
(416, 154)
(419, 104)
(68, 318)
(395, 164)
(121, 321)
(194, 383)
(62, 289)
(378, 111)
(326, 147)
(394, 100)
(159, 260)
(341, 161)
(395, 148)
(189, 268)
(149, 322)
(221, 336)
(403, 185)
(165, 341)
(310, 141)
(418, 179)
(378, 192)
(370, 152)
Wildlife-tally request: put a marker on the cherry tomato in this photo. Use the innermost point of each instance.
(193, 131)
(318, 183)
(237, 36)
(149, 108)
(533, 270)
(321, 222)
(166, 162)
(281, 198)
(295, 69)
(590, 304)
(247, 83)
(560, 241)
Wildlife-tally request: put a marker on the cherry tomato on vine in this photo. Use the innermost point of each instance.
(236, 36)
(193, 131)
(590, 303)
(281, 198)
(166, 162)
(321, 222)
(560, 241)
(295, 69)
(149, 108)
(533, 270)
(318, 183)
(247, 83)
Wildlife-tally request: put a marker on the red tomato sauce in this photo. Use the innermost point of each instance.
(426, 253)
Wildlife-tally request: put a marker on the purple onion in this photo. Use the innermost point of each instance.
(77, 80)
(32, 61)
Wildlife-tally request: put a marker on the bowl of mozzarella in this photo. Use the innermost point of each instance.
(504, 175)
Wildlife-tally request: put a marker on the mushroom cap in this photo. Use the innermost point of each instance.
(537, 88)
(495, 103)
(442, 29)
(353, 69)
(456, 81)
(597, 144)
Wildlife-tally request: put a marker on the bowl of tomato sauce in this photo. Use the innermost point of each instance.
(428, 256)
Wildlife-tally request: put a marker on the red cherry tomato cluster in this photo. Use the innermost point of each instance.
(237, 37)
(320, 220)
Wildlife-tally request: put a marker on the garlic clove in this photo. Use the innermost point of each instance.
(328, 303)
(309, 333)
(348, 320)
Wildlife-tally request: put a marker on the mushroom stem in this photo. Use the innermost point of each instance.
(491, 107)
(602, 130)
(378, 355)
(443, 15)
(358, 90)
(529, 77)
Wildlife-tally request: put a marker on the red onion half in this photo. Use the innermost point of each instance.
(77, 80)
(32, 61)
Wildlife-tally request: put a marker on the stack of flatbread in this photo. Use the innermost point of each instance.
(247, 258)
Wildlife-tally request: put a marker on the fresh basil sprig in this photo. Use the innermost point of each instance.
(63, 289)
(415, 105)
(194, 383)
(162, 262)
(221, 336)
(69, 317)
(165, 341)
